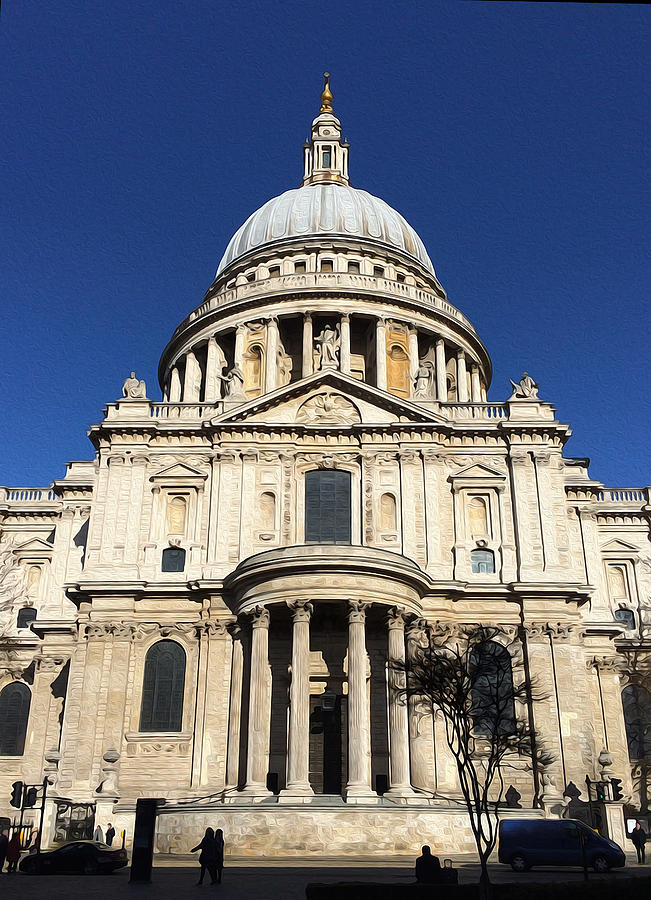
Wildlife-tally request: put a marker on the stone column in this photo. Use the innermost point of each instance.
(421, 741)
(298, 746)
(235, 710)
(441, 381)
(359, 733)
(240, 333)
(462, 380)
(271, 359)
(413, 356)
(345, 344)
(192, 381)
(214, 368)
(475, 385)
(381, 353)
(257, 754)
(399, 775)
(308, 344)
(175, 386)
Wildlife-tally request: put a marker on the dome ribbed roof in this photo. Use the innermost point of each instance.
(328, 209)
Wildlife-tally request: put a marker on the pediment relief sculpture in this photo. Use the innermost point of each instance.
(328, 409)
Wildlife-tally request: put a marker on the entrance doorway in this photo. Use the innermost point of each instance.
(328, 743)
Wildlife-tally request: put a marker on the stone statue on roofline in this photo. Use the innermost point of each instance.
(423, 380)
(527, 389)
(133, 389)
(233, 384)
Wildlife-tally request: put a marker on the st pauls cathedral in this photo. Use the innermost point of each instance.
(207, 612)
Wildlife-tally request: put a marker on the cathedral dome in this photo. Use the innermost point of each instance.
(329, 208)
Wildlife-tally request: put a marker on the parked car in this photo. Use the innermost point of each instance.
(78, 857)
(524, 843)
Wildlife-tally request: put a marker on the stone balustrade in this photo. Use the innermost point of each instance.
(280, 284)
(485, 411)
(187, 411)
(26, 495)
(627, 496)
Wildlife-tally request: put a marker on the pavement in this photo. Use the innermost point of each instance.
(259, 880)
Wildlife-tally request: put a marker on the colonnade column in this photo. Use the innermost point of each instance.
(462, 379)
(413, 355)
(175, 386)
(475, 384)
(235, 710)
(308, 343)
(271, 358)
(298, 745)
(399, 776)
(359, 732)
(421, 741)
(257, 754)
(381, 353)
(240, 331)
(441, 381)
(345, 344)
(213, 369)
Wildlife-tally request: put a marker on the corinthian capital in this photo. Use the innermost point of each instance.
(301, 610)
(260, 617)
(357, 610)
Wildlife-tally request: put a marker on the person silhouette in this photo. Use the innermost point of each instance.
(428, 867)
(219, 845)
(208, 856)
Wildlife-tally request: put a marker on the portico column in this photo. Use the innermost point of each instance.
(298, 745)
(175, 386)
(381, 353)
(257, 751)
(271, 359)
(308, 344)
(413, 356)
(475, 385)
(192, 381)
(345, 344)
(462, 380)
(213, 369)
(441, 381)
(399, 777)
(359, 736)
(421, 743)
(240, 332)
(234, 710)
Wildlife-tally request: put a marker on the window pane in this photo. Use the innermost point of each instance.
(25, 617)
(14, 713)
(327, 507)
(173, 559)
(493, 709)
(162, 689)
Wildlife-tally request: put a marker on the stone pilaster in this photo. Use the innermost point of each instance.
(359, 733)
(235, 710)
(421, 743)
(257, 758)
(298, 747)
(399, 774)
(211, 735)
(43, 709)
(271, 359)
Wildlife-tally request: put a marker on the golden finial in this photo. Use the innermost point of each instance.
(326, 96)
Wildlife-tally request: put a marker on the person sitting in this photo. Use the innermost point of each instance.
(428, 867)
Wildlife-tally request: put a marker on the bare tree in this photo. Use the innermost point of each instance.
(636, 698)
(466, 674)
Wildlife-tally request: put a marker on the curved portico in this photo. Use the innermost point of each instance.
(348, 607)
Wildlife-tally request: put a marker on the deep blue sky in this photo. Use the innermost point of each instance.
(137, 136)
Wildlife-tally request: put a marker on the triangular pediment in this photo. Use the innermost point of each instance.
(479, 471)
(176, 472)
(32, 546)
(328, 399)
(619, 546)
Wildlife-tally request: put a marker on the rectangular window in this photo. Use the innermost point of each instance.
(299, 268)
(378, 271)
(274, 271)
(326, 265)
(326, 157)
(353, 268)
(327, 507)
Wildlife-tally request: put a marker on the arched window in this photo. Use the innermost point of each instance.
(268, 511)
(173, 559)
(26, 616)
(636, 701)
(14, 713)
(162, 688)
(327, 507)
(493, 710)
(388, 517)
(482, 562)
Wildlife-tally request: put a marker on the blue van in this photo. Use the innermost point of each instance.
(555, 842)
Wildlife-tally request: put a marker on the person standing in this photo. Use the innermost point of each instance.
(98, 834)
(208, 856)
(219, 846)
(13, 853)
(110, 834)
(4, 843)
(638, 836)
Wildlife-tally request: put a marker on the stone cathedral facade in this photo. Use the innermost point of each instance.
(207, 610)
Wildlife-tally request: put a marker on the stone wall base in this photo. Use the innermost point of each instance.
(286, 832)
